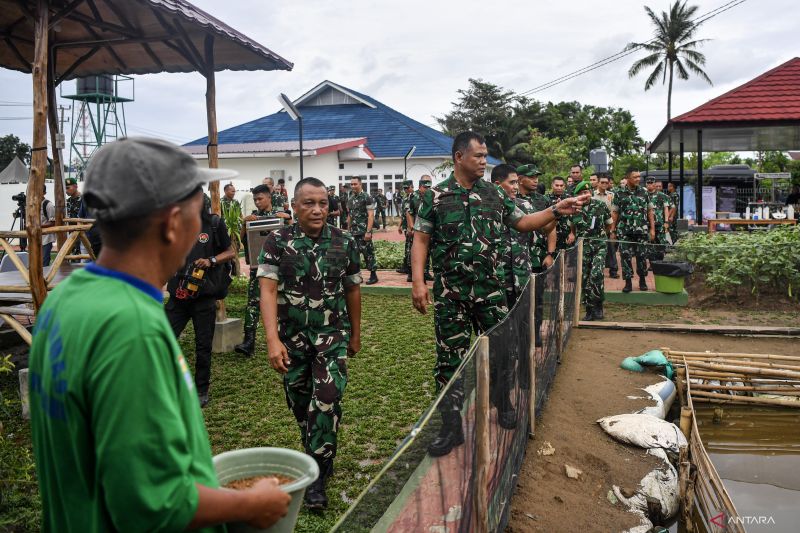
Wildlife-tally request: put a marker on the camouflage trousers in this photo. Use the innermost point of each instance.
(657, 252)
(366, 249)
(252, 313)
(454, 322)
(407, 251)
(314, 386)
(635, 245)
(594, 260)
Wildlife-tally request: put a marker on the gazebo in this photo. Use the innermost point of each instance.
(762, 114)
(58, 40)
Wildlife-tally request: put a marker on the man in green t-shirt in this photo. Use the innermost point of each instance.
(117, 431)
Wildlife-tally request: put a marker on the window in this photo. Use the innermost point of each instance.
(369, 165)
(341, 166)
(373, 178)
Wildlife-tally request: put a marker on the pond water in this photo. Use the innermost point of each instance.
(757, 454)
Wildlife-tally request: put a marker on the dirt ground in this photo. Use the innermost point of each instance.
(590, 385)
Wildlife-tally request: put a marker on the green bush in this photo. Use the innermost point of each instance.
(761, 262)
(388, 254)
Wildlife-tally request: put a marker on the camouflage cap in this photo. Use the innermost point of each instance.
(70, 181)
(528, 170)
(582, 185)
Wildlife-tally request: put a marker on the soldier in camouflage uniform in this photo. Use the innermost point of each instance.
(661, 209)
(543, 241)
(461, 221)
(73, 198)
(263, 201)
(633, 225)
(564, 235)
(403, 229)
(228, 203)
(360, 217)
(593, 223)
(411, 208)
(310, 279)
(675, 199)
(380, 211)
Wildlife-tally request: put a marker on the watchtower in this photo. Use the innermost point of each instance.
(98, 115)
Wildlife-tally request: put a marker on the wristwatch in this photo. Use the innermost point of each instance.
(213, 260)
(554, 209)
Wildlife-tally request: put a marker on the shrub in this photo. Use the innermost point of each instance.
(761, 262)
(388, 254)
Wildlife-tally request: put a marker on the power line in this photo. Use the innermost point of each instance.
(619, 55)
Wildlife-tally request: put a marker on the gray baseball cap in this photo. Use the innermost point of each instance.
(135, 176)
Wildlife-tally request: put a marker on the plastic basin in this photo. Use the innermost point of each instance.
(250, 462)
(669, 284)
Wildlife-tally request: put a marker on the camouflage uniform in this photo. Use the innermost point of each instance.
(343, 210)
(313, 324)
(227, 205)
(633, 229)
(590, 223)
(675, 199)
(659, 201)
(466, 229)
(562, 224)
(252, 313)
(404, 226)
(359, 206)
(538, 202)
(380, 211)
(279, 201)
(515, 257)
(73, 206)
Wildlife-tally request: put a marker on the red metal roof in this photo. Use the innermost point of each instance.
(775, 95)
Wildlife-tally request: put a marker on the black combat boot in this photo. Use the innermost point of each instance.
(642, 283)
(506, 414)
(248, 345)
(628, 286)
(315, 497)
(451, 434)
(373, 278)
(402, 270)
(598, 312)
(589, 313)
(408, 278)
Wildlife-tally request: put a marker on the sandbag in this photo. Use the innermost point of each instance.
(663, 393)
(651, 358)
(645, 431)
(660, 484)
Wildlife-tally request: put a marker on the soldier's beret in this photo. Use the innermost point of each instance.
(408, 183)
(528, 170)
(70, 181)
(582, 185)
(424, 183)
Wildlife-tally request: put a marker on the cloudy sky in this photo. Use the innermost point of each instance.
(415, 55)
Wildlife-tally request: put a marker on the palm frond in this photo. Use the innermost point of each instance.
(647, 61)
(651, 80)
(694, 67)
(694, 55)
(682, 74)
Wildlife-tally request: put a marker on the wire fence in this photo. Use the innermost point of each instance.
(505, 377)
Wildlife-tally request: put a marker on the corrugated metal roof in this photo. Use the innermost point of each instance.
(277, 146)
(389, 133)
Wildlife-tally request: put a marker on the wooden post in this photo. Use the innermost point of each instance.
(578, 285)
(532, 356)
(482, 455)
(686, 422)
(213, 152)
(55, 128)
(561, 285)
(680, 383)
(33, 207)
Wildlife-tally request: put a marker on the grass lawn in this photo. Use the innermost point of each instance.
(390, 385)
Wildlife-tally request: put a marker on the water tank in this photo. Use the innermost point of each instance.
(598, 158)
(96, 85)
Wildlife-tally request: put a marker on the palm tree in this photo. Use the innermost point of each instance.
(672, 48)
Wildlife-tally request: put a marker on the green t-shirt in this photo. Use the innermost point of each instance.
(118, 434)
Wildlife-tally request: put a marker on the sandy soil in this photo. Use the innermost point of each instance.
(589, 385)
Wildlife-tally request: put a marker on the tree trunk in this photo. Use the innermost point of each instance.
(669, 93)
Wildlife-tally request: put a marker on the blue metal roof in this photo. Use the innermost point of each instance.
(388, 132)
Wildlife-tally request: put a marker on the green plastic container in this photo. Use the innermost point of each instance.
(669, 284)
(250, 462)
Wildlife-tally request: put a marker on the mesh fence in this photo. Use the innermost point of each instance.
(470, 489)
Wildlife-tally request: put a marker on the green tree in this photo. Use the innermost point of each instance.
(673, 47)
(11, 147)
(552, 155)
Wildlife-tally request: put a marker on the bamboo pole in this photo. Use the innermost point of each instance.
(532, 357)
(788, 391)
(482, 454)
(52, 119)
(753, 364)
(686, 422)
(38, 157)
(727, 398)
(10, 252)
(561, 285)
(13, 234)
(16, 326)
(720, 354)
(66, 229)
(88, 246)
(62, 252)
(578, 285)
(680, 385)
(21, 289)
(749, 370)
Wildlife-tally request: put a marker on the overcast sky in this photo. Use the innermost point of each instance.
(414, 56)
